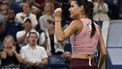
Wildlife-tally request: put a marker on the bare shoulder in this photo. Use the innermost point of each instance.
(76, 21)
(75, 25)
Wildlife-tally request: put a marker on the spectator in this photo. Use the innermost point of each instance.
(52, 47)
(22, 35)
(4, 10)
(37, 10)
(12, 27)
(100, 11)
(4, 7)
(13, 5)
(100, 16)
(33, 55)
(26, 13)
(49, 41)
(48, 14)
(9, 55)
(2, 31)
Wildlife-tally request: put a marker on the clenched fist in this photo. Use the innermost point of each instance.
(57, 14)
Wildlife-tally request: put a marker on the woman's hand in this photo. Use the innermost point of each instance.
(14, 49)
(57, 14)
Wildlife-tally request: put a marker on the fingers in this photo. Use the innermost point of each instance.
(58, 12)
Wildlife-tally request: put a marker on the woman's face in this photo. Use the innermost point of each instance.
(74, 10)
(8, 43)
(47, 7)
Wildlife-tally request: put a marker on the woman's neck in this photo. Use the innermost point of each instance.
(82, 16)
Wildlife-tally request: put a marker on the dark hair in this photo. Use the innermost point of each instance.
(88, 7)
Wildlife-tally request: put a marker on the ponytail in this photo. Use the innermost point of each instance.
(89, 13)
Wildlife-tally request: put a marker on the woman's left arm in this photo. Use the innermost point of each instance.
(102, 48)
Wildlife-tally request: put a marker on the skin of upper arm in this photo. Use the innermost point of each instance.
(75, 26)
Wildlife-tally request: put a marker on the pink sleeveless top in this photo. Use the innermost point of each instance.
(82, 43)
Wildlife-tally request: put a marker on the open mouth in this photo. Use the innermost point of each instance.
(33, 40)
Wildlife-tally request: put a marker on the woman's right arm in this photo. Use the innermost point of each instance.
(72, 28)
